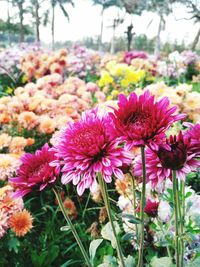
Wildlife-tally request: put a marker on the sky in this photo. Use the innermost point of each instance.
(85, 21)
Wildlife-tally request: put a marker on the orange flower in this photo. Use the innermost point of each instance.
(30, 141)
(21, 222)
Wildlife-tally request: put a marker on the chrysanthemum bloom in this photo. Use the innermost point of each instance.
(8, 165)
(35, 171)
(28, 119)
(141, 120)
(21, 222)
(174, 154)
(194, 135)
(151, 208)
(3, 222)
(86, 149)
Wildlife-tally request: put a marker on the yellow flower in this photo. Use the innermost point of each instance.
(105, 79)
(9, 90)
(124, 82)
(24, 79)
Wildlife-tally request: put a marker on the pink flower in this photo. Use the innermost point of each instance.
(86, 149)
(174, 154)
(141, 120)
(194, 135)
(35, 171)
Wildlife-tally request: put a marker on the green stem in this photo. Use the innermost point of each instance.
(142, 204)
(108, 208)
(72, 228)
(176, 218)
(182, 189)
(134, 205)
(168, 248)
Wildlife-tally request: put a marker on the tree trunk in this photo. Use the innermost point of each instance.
(158, 42)
(37, 18)
(8, 21)
(21, 17)
(112, 47)
(53, 26)
(101, 32)
(129, 36)
(196, 39)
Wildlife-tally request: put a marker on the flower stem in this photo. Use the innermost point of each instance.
(72, 228)
(108, 208)
(134, 205)
(176, 217)
(182, 219)
(142, 204)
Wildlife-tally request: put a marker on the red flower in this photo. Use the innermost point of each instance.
(35, 171)
(141, 120)
(151, 208)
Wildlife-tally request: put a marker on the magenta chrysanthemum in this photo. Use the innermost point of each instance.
(194, 135)
(141, 120)
(35, 171)
(174, 154)
(85, 148)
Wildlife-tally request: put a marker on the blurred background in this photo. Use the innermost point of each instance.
(104, 25)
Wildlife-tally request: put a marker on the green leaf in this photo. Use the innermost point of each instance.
(188, 194)
(130, 261)
(107, 233)
(128, 236)
(65, 228)
(93, 247)
(131, 218)
(13, 244)
(161, 262)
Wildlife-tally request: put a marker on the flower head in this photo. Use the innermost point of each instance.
(194, 135)
(174, 154)
(141, 120)
(86, 148)
(35, 171)
(151, 208)
(21, 222)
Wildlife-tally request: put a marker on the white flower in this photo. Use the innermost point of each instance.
(164, 211)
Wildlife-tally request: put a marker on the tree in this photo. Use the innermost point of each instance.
(20, 4)
(105, 4)
(39, 18)
(193, 8)
(135, 7)
(61, 4)
(162, 8)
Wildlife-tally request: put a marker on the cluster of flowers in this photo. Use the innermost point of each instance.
(13, 215)
(10, 57)
(120, 76)
(91, 145)
(49, 103)
(182, 96)
(177, 64)
(81, 62)
(40, 63)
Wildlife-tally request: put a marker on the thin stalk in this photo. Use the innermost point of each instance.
(182, 189)
(142, 204)
(88, 199)
(176, 218)
(168, 248)
(104, 192)
(134, 205)
(72, 228)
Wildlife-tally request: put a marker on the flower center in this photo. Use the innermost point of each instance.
(137, 119)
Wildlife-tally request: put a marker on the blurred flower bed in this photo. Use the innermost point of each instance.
(43, 91)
